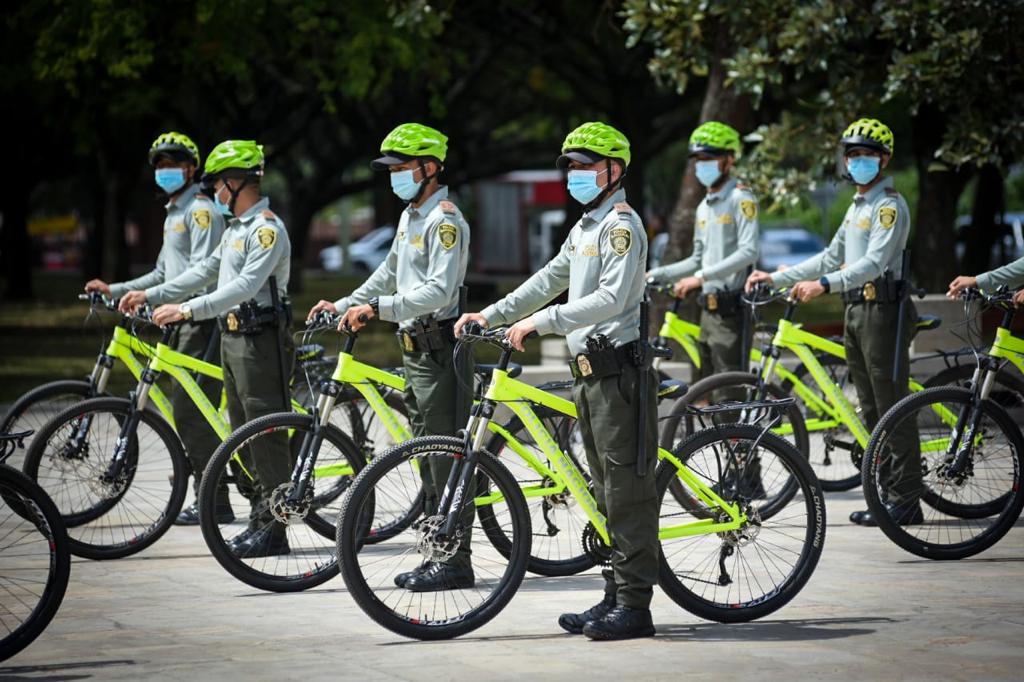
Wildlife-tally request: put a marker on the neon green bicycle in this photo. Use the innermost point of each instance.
(720, 558)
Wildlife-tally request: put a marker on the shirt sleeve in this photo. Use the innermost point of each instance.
(618, 270)
(884, 244)
(445, 242)
(814, 267)
(747, 235)
(150, 279)
(1011, 275)
(538, 290)
(381, 282)
(683, 268)
(205, 232)
(260, 261)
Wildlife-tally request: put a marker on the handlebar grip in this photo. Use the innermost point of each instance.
(84, 297)
(472, 328)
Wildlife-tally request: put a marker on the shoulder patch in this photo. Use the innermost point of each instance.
(202, 217)
(267, 237)
(621, 239)
(887, 216)
(748, 207)
(448, 207)
(448, 234)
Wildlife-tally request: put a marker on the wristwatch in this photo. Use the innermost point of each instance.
(186, 311)
(375, 304)
(824, 282)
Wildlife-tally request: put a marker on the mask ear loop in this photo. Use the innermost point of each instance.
(426, 181)
(608, 189)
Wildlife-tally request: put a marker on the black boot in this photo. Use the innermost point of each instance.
(438, 577)
(621, 622)
(905, 515)
(263, 542)
(402, 578)
(190, 515)
(573, 622)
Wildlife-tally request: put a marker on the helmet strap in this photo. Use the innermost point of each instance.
(609, 189)
(424, 182)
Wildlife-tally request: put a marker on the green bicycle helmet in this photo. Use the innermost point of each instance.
(870, 133)
(411, 141)
(235, 158)
(176, 145)
(592, 142)
(716, 139)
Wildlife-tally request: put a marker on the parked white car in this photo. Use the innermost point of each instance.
(365, 254)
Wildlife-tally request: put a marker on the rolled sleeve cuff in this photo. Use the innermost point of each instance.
(492, 316)
(154, 296)
(543, 320)
(118, 290)
(386, 308)
(201, 309)
(984, 282)
(835, 282)
(779, 279)
(342, 304)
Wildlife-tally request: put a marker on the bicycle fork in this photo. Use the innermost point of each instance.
(453, 498)
(138, 400)
(965, 433)
(311, 442)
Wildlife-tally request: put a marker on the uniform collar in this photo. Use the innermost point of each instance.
(430, 203)
(873, 193)
(262, 205)
(597, 214)
(182, 200)
(726, 190)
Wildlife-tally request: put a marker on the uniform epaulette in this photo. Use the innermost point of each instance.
(202, 197)
(742, 185)
(623, 207)
(891, 192)
(268, 214)
(448, 207)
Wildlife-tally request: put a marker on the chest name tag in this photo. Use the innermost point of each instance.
(238, 245)
(590, 250)
(725, 219)
(864, 223)
(179, 227)
(416, 241)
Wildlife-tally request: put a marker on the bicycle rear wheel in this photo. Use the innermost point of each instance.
(387, 486)
(32, 410)
(739, 575)
(110, 516)
(308, 557)
(34, 561)
(970, 501)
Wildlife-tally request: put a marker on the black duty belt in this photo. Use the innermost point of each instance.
(252, 319)
(881, 290)
(720, 302)
(602, 363)
(426, 334)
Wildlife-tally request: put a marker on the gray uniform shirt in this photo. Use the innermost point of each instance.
(424, 268)
(602, 265)
(1011, 275)
(255, 247)
(192, 230)
(725, 240)
(869, 242)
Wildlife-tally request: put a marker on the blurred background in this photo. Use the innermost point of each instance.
(88, 84)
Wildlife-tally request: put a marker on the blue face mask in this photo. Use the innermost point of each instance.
(404, 187)
(583, 186)
(707, 172)
(222, 207)
(863, 169)
(170, 180)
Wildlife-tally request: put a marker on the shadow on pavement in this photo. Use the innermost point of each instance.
(39, 672)
(800, 630)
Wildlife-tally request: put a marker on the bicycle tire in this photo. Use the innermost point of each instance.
(810, 500)
(910, 537)
(89, 528)
(351, 533)
(310, 562)
(704, 388)
(50, 399)
(17, 489)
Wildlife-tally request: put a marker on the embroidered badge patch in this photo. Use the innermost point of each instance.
(621, 239)
(590, 250)
(267, 236)
(887, 216)
(447, 233)
(202, 218)
(748, 208)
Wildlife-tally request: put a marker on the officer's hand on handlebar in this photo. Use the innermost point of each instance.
(466, 319)
(959, 284)
(356, 317)
(755, 277)
(686, 285)
(1018, 298)
(131, 301)
(519, 331)
(806, 290)
(167, 314)
(321, 306)
(98, 285)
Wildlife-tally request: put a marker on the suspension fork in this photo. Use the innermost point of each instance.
(969, 419)
(312, 441)
(100, 374)
(138, 401)
(461, 475)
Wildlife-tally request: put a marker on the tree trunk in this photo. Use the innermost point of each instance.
(986, 218)
(934, 258)
(17, 250)
(300, 222)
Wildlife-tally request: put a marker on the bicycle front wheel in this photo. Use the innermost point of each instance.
(971, 496)
(387, 487)
(111, 510)
(747, 572)
(233, 504)
(34, 561)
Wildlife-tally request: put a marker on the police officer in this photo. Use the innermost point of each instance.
(602, 265)
(417, 286)
(256, 347)
(864, 264)
(725, 242)
(1011, 275)
(192, 230)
